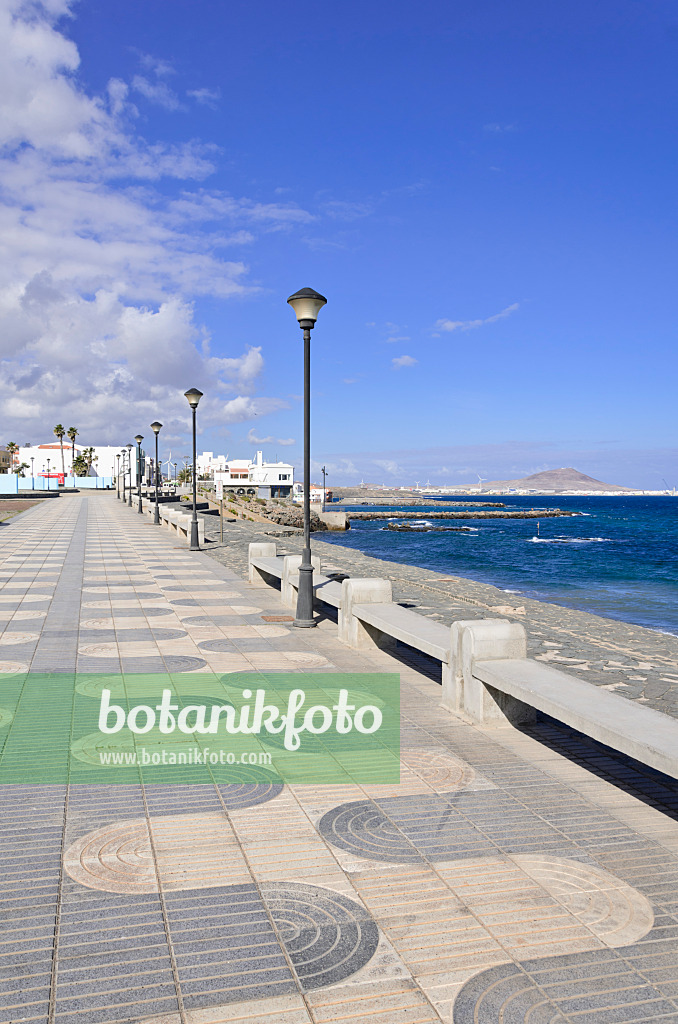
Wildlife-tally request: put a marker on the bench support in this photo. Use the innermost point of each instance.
(288, 589)
(453, 675)
(363, 591)
(266, 549)
(491, 640)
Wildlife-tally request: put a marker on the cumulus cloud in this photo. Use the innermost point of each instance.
(98, 267)
(283, 441)
(469, 325)
(400, 361)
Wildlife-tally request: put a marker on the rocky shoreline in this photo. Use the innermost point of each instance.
(552, 513)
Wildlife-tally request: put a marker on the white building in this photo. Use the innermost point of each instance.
(263, 479)
(39, 457)
(209, 464)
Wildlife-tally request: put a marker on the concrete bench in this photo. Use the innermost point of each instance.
(175, 521)
(263, 563)
(494, 683)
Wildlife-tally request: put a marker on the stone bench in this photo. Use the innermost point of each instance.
(176, 521)
(494, 682)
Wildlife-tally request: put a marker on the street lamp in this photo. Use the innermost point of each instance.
(32, 474)
(324, 473)
(129, 447)
(155, 427)
(48, 480)
(193, 397)
(139, 438)
(306, 305)
(117, 475)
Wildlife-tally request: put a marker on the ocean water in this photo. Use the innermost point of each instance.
(617, 558)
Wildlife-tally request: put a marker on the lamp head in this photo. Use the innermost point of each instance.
(139, 438)
(129, 446)
(306, 304)
(193, 397)
(155, 427)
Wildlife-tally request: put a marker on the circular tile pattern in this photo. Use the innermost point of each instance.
(6, 717)
(18, 638)
(304, 658)
(614, 911)
(25, 613)
(438, 768)
(116, 858)
(182, 663)
(11, 667)
(99, 650)
(253, 790)
(360, 828)
(212, 598)
(328, 937)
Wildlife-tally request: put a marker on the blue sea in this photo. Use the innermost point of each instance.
(617, 558)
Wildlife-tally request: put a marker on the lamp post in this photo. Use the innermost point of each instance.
(117, 474)
(48, 480)
(306, 304)
(193, 397)
(123, 453)
(32, 473)
(324, 473)
(139, 438)
(155, 427)
(129, 470)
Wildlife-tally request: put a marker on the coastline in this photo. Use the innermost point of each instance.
(633, 661)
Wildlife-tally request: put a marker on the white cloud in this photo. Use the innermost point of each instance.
(389, 466)
(206, 97)
(468, 325)
(98, 268)
(157, 92)
(400, 361)
(283, 441)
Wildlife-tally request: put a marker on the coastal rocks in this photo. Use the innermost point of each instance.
(292, 516)
(541, 513)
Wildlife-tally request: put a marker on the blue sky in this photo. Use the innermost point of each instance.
(485, 192)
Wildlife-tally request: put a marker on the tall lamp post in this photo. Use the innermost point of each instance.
(123, 453)
(117, 474)
(32, 473)
(306, 305)
(48, 479)
(139, 438)
(129, 470)
(193, 397)
(155, 427)
(324, 473)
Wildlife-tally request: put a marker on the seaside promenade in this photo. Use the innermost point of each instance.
(500, 881)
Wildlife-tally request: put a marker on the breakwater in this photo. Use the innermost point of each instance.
(552, 513)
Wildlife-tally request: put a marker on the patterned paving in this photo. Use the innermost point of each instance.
(498, 882)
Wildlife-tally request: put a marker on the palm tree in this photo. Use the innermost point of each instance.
(12, 448)
(60, 433)
(89, 457)
(72, 433)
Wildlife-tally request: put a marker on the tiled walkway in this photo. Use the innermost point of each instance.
(499, 882)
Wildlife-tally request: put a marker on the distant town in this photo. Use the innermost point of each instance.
(53, 465)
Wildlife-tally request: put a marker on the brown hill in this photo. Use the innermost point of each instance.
(566, 479)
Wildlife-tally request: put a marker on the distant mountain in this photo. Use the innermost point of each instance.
(554, 480)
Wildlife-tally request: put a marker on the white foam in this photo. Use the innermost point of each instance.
(570, 540)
